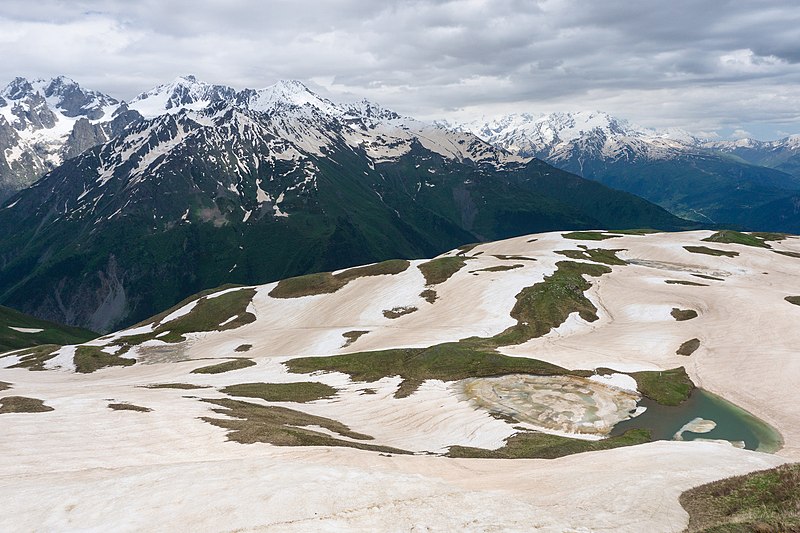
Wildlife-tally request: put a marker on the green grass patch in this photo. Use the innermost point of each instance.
(547, 305)
(448, 362)
(227, 366)
(248, 423)
(703, 276)
(637, 231)
(182, 386)
(326, 283)
(300, 392)
(91, 358)
(709, 251)
(765, 501)
(22, 404)
(588, 235)
(429, 295)
(796, 255)
(667, 387)
(156, 319)
(684, 282)
(737, 237)
(439, 270)
(535, 445)
(793, 300)
(352, 336)
(683, 314)
(688, 347)
(35, 358)
(207, 315)
(397, 312)
(598, 255)
(128, 407)
(498, 268)
(51, 333)
(513, 257)
(463, 249)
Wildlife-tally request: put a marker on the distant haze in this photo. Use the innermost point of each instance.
(718, 68)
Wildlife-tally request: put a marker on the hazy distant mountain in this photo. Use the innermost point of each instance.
(223, 186)
(672, 168)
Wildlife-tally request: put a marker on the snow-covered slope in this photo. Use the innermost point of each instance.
(708, 182)
(146, 424)
(44, 122)
(561, 136)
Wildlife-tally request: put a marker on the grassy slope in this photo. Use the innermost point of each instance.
(767, 501)
(52, 333)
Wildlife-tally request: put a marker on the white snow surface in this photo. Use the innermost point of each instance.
(55, 465)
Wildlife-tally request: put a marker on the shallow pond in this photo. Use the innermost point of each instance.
(732, 423)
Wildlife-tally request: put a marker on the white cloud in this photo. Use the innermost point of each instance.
(701, 66)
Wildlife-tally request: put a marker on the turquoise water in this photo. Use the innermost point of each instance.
(733, 424)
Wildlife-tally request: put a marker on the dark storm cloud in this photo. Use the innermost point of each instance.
(701, 65)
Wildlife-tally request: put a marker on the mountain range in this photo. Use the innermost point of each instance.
(206, 185)
(749, 183)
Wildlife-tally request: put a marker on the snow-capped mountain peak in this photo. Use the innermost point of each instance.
(559, 136)
(183, 92)
(286, 93)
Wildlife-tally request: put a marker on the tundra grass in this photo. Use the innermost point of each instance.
(709, 251)
(91, 358)
(352, 336)
(299, 392)
(463, 249)
(243, 348)
(796, 255)
(4, 385)
(793, 300)
(181, 386)
(51, 333)
(207, 315)
(447, 362)
(35, 358)
(429, 295)
(513, 257)
(688, 347)
(535, 445)
(128, 407)
(227, 366)
(667, 387)
(757, 240)
(547, 304)
(637, 231)
(397, 312)
(703, 276)
(684, 282)
(765, 501)
(326, 283)
(588, 235)
(22, 404)
(248, 423)
(538, 309)
(498, 268)
(598, 255)
(683, 314)
(439, 270)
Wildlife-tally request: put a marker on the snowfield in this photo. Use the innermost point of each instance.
(85, 466)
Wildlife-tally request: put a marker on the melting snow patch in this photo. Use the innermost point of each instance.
(26, 330)
(620, 381)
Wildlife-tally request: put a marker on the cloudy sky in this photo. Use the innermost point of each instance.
(714, 67)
